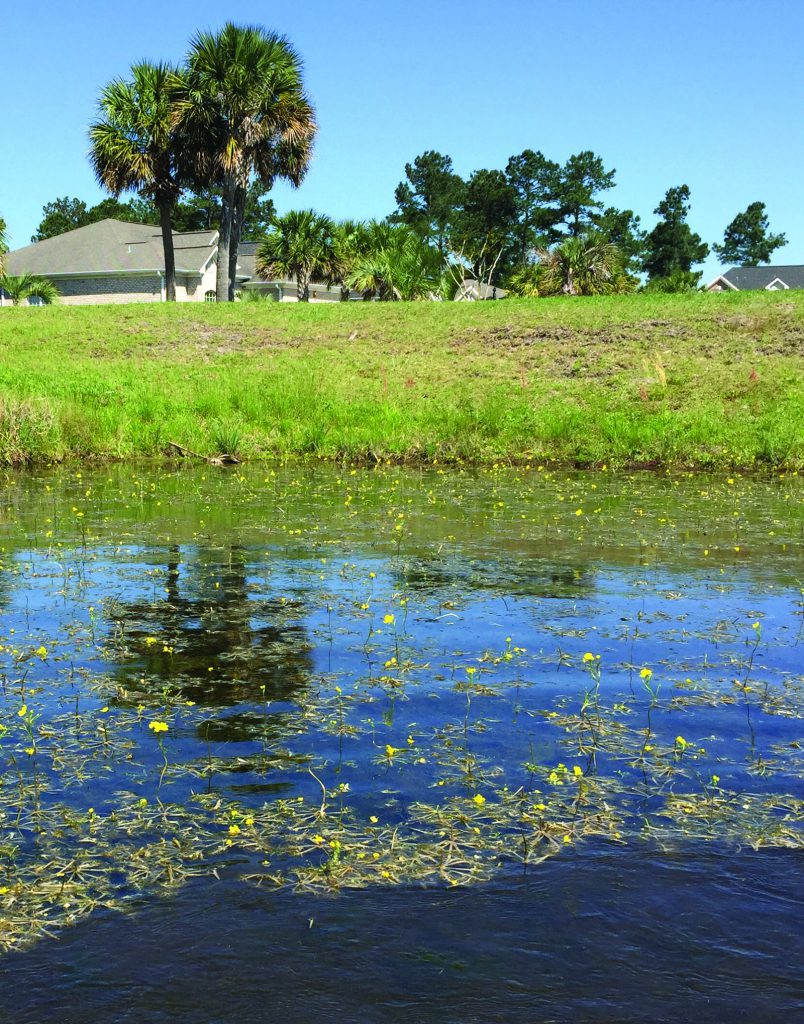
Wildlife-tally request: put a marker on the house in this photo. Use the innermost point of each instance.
(471, 290)
(114, 261)
(771, 279)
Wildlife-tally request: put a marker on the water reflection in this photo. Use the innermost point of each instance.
(522, 575)
(210, 636)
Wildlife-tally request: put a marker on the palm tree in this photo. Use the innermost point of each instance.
(246, 114)
(300, 245)
(28, 286)
(135, 146)
(395, 263)
(351, 243)
(582, 265)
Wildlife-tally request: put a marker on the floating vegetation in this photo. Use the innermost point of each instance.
(325, 680)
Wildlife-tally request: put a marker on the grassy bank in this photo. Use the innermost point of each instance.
(699, 380)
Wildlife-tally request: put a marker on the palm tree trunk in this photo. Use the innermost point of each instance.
(238, 209)
(167, 243)
(303, 287)
(224, 240)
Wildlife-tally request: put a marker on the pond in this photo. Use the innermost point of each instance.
(458, 745)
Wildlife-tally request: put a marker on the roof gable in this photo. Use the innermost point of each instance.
(753, 278)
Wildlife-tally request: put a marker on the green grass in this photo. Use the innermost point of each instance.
(697, 380)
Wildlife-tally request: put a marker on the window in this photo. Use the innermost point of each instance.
(210, 297)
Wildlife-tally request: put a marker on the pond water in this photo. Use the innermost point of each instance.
(500, 745)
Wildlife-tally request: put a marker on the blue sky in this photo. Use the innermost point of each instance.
(707, 92)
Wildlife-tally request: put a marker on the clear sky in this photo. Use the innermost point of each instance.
(707, 92)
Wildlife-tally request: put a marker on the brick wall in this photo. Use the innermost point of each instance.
(81, 291)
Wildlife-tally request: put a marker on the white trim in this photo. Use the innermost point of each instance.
(145, 272)
(777, 280)
(205, 266)
(721, 278)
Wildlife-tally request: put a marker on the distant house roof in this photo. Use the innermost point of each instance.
(470, 290)
(112, 247)
(754, 278)
(246, 255)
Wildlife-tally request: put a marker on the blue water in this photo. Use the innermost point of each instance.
(248, 612)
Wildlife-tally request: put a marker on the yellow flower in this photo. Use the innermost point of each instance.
(234, 830)
(374, 819)
(478, 799)
(388, 619)
(41, 651)
(23, 711)
(318, 840)
(249, 821)
(390, 751)
(30, 751)
(577, 771)
(150, 640)
(157, 727)
(567, 839)
(646, 674)
(588, 656)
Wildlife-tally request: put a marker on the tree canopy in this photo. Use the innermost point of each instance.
(576, 190)
(245, 114)
(672, 245)
(135, 145)
(748, 240)
(429, 197)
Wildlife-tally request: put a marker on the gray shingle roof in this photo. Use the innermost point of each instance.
(750, 278)
(246, 255)
(112, 246)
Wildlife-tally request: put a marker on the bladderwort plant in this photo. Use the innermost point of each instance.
(158, 729)
(591, 698)
(645, 676)
(390, 620)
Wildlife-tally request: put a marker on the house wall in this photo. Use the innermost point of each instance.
(84, 291)
(193, 288)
